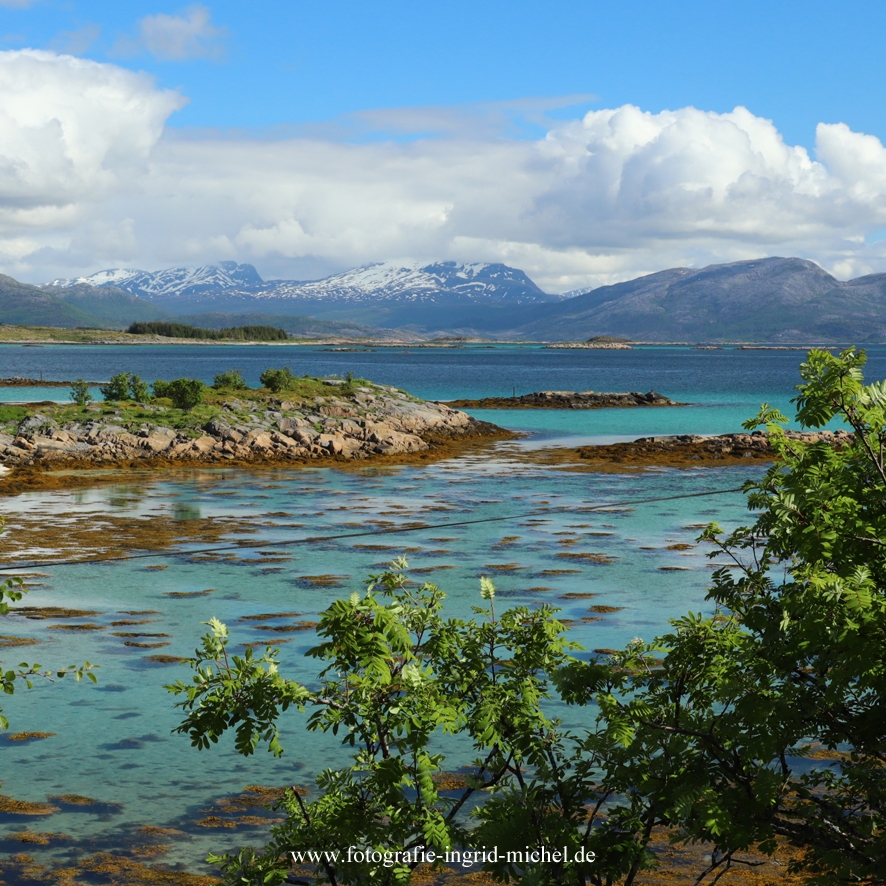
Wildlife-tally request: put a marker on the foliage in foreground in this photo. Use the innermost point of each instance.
(705, 732)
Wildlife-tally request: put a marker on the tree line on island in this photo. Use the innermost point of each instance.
(231, 333)
(761, 724)
(186, 393)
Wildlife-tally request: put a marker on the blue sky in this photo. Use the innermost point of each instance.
(797, 63)
(458, 80)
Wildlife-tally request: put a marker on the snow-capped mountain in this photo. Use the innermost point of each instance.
(438, 283)
(447, 282)
(226, 275)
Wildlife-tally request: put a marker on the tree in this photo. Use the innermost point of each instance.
(230, 380)
(396, 676)
(792, 656)
(185, 393)
(702, 735)
(138, 389)
(80, 393)
(117, 388)
(277, 380)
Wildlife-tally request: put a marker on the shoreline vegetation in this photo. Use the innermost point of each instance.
(46, 335)
(198, 333)
(305, 420)
(338, 422)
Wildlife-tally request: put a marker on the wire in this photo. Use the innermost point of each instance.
(392, 530)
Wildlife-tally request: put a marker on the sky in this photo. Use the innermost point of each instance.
(585, 143)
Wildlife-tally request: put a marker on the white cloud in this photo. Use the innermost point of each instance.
(16, 4)
(175, 37)
(71, 132)
(88, 179)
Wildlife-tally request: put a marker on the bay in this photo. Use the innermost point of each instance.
(114, 740)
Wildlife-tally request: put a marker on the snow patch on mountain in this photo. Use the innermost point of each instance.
(225, 276)
(440, 282)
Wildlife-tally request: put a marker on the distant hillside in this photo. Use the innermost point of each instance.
(770, 299)
(765, 300)
(25, 305)
(110, 306)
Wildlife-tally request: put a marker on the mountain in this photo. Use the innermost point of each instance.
(388, 294)
(770, 299)
(24, 305)
(109, 306)
(439, 283)
(173, 282)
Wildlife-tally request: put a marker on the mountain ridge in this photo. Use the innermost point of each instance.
(773, 299)
(438, 282)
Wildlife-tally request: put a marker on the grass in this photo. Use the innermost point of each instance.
(13, 413)
(301, 393)
(56, 334)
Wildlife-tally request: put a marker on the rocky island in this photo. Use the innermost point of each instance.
(681, 451)
(313, 419)
(567, 400)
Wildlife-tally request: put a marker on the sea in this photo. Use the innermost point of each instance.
(491, 512)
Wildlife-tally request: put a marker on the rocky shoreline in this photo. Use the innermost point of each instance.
(590, 346)
(16, 381)
(371, 422)
(567, 400)
(682, 451)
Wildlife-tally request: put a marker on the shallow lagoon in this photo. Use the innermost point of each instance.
(113, 740)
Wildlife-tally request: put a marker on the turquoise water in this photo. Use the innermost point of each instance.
(728, 376)
(42, 393)
(114, 740)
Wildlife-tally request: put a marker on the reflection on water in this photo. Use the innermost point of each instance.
(183, 510)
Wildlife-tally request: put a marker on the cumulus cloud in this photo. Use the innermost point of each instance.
(72, 132)
(90, 179)
(175, 38)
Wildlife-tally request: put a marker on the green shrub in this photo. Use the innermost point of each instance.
(185, 393)
(117, 388)
(160, 388)
(232, 380)
(80, 393)
(276, 380)
(139, 389)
